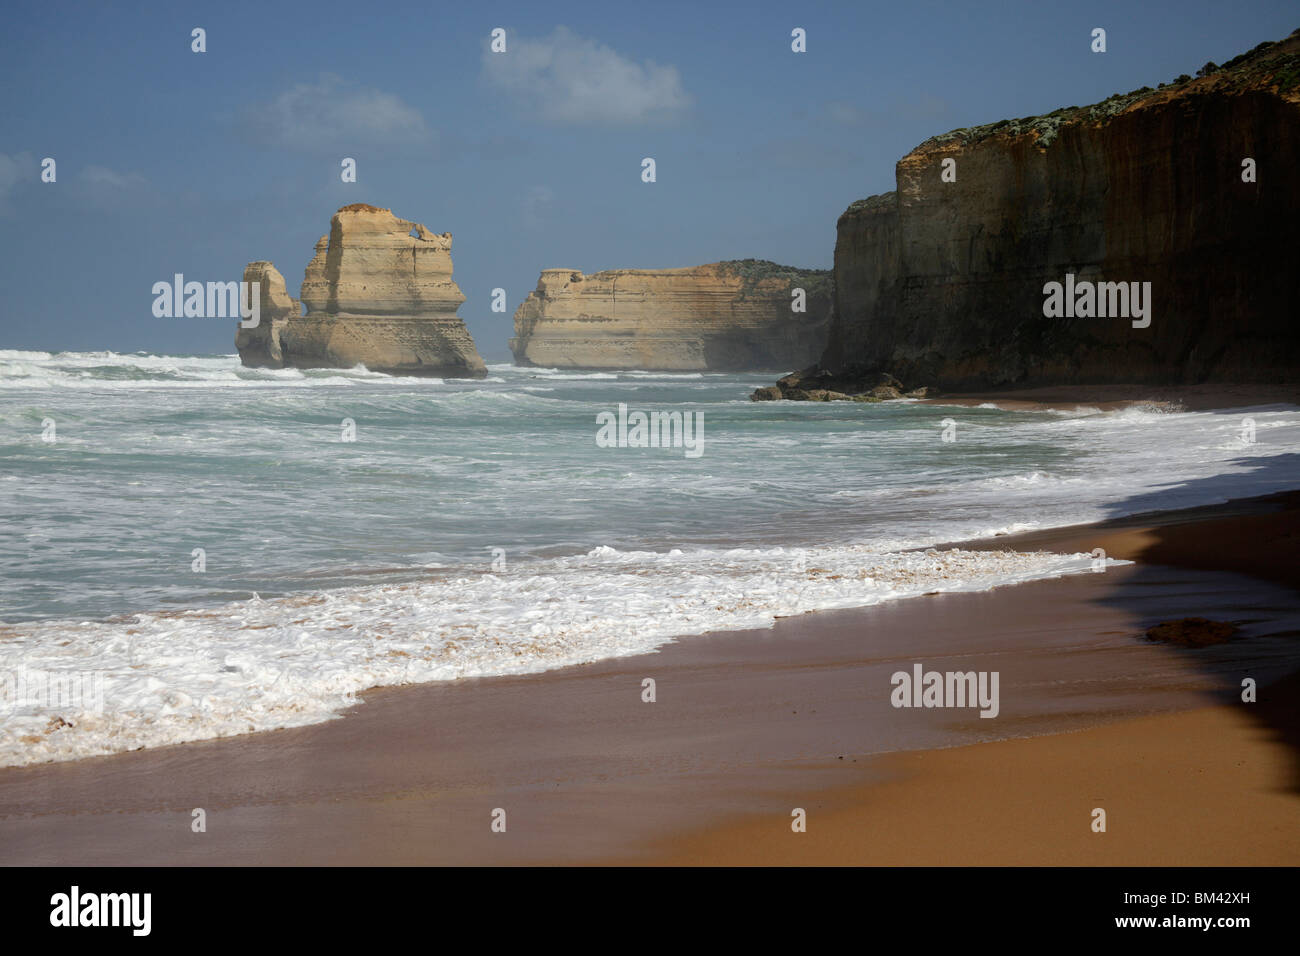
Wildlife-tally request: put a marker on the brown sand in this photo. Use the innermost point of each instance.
(749, 725)
(1203, 788)
(1214, 787)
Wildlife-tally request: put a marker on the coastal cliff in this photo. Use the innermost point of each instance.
(378, 292)
(726, 316)
(942, 283)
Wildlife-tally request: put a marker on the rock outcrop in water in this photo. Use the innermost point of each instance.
(378, 292)
(261, 345)
(726, 316)
(942, 283)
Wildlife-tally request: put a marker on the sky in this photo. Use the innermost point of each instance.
(169, 161)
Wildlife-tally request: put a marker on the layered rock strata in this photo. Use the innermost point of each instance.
(379, 293)
(1189, 187)
(726, 316)
(260, 345)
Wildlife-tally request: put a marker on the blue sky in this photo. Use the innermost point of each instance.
(172, 161)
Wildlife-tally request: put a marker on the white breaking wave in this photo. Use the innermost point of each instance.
(104, 518)
(175, 676)
(100, 370)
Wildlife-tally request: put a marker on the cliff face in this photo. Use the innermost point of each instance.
(727, 316)
(942, 283)
(378, 292)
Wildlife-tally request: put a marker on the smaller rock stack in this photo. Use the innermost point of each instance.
(378, 292)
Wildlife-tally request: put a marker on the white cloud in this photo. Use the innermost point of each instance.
(569, 79)
(20, 167)
(96, 186)
(103, 178)
(333, 114)
(99, 187)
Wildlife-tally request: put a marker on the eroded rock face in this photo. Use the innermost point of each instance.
(941, 283)
(260, 346)
(726, 316)
(379, 293)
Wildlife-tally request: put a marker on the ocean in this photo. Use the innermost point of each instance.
(193, 549)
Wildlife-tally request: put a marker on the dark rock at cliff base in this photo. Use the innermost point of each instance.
(815, 384)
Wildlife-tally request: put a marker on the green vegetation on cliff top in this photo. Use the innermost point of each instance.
(752, 271)
(872, 202)
(1252, 69)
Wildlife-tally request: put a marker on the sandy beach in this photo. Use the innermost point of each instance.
(749, 725)
(618, 438)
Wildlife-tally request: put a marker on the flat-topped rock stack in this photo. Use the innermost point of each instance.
(725, 316)
(379, 293)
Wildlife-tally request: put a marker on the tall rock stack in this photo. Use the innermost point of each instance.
(726, 316)
(379, 293)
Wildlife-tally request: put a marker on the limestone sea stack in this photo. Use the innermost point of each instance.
(378, 292)
(1191, 187)
(260, 345)
(726, 316)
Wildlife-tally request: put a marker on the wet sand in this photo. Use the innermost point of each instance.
(1205, 788)
(747, 726)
